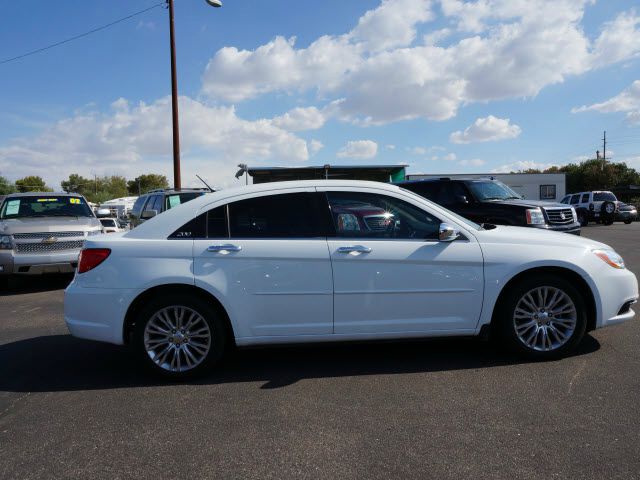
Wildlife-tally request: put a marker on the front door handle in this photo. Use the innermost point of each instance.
(227, 247)
(354, 249)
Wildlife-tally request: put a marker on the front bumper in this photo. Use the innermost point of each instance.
(573, 228)
(617, 288)
(37, 264)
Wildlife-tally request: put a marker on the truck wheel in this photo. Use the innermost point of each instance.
(582, 219)
(542, 317)
(628, 221)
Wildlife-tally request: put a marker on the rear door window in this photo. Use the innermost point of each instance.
(585, 198)
(289, 215)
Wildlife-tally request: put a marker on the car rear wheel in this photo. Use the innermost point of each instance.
(180, 336)
(628, 221)
(543, 317)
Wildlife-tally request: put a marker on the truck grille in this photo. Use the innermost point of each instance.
(556, 215)
(377, 223)
(39, 235)
(49, 247)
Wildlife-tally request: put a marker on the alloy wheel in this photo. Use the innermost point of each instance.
(545, 318)
(177, 338)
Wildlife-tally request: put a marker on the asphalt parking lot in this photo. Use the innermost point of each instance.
(438, 409)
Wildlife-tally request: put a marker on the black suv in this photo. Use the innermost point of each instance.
(490, 201)
(155, 202)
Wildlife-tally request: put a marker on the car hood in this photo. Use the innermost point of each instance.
(527, 236)
(47, 224)
(531, 203)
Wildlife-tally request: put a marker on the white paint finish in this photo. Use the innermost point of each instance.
(281, 291)
(274, 287)
(406, 285)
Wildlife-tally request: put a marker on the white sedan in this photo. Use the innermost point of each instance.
(325, 261)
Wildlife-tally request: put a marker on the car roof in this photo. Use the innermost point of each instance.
(177, 216)
(40, 194)
(445, 179)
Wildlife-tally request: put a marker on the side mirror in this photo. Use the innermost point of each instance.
(147, 214)
(446, 233)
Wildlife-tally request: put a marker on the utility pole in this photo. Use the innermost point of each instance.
(174, 102)
(604, 149)
(95, 179)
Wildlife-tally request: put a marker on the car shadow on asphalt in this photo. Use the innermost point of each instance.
(65, 363)
(34, 284)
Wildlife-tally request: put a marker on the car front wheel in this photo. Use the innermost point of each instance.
(543, 317)
(180, 336)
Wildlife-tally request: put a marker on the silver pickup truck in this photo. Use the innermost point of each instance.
(43, 232)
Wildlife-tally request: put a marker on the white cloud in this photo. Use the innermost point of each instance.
(315, 146)
(134, 139)
(474, 162)
(392, 24)
(486, 129)
(449, 157)
(309, 118)
(390, 147)
(416, 150)
(521, 165)
(361, 149)
(627, 101)
(375, 73)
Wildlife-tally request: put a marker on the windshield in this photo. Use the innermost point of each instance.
(492, 190)
(176, 199)
(44, 206)
(604, 196)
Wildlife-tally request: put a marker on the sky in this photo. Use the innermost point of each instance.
(445, 86)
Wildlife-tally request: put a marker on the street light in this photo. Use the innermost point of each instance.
(174, 94)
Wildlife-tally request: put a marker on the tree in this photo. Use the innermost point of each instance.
(77, 184)
(32, 183)
(594, 174)
(6, 187)
(146, 182)
(98, 189)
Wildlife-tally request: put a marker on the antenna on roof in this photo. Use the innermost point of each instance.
(200, 178)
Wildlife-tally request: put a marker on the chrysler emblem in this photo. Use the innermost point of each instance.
(49, 240)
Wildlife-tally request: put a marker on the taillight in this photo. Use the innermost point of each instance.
(90, 258)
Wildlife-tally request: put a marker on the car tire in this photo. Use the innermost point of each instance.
(544, 334)
(180, 336)
(627, 222)
(4, 282)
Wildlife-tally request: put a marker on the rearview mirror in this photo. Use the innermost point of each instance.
(147, 214)
(447, 233)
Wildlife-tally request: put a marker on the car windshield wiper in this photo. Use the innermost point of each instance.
(494, 198)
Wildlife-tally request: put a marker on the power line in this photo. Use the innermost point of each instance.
(76, 37)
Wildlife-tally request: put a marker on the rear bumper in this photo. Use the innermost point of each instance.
(97, 313)
(37, 264)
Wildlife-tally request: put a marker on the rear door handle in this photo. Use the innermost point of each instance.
(354, 249)
(227, 247)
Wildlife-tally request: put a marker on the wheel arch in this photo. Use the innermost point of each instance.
(138, 303)
(570, 275)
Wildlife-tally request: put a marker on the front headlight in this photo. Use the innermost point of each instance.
(610, 257)
(575, 215)
(535, 216)
(5, 242)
